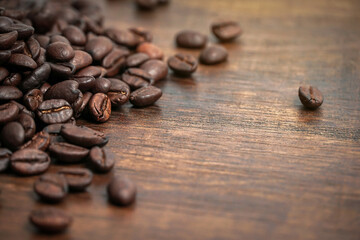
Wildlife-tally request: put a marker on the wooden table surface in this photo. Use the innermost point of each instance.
(230, 153)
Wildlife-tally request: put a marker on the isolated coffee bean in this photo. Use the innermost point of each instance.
(156, 69)
(4, 56)
(101, 85)
(147, 4)
(78, 179)
(100, 107)
(5, 155)
(81, 59)
(213, 55)
(121, 191)
(136, 78)
(101, 159)
(51, 187)
(119, 92)
(153, 51)
(22, 62)
(99, 47)
(50, 219)
(32, 99)
(90, 71)
(55, 111)
(123, 37)
(60, 51)
(67, 90)
(32, 47)
(40, 141)
(29, 161)
(36, 78)
(115, 54)
(183, 64)
(226, 30)
(83, 136)
(62, 70)
(7, 40)
(68, 153)
(310, 97)
(136, 59)
(85, 82)
(145, 96)
(190, 39)
(28, 123)
(75, 35)
(143, 34)
(12, 135)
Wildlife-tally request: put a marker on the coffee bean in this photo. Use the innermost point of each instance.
(5, 22)
(83, 136)
(183, 64)
(24, 31)
(32, 47)
(100, 107)
(121, 191)
(33, 98)
(12, 135)
(18, 47)
(145, 96)
(4, 56)
(213, 55)
(119, 92)
(50, 219)
(147, 4)
(59, 38)
(89, 71)
(5, 155)
(157, 69)
(62, 70)
(44, 88)
(78, 179)
(75, 35)
(310, 97)
(136, 59)
(9, 93)
(29, 161)
(143, 34)
(40, 141)
(101, 85)
(67, 90)
(101, 159)
(115, 69)
(51, 187)
(153, 51)
(99, 47)
(85, 82)
(43, 40)
(226, 30)
(68, 153)
(28, 123)
(190, 39)
(86, 98)
(81, 59)
(123, 37)
(14, 79)
(136, 78)
(117, 53)
(54, 128)
(36, 78)
(7, 40)
(22, 62)
(60, 51)
(54, 111)
(42, 57)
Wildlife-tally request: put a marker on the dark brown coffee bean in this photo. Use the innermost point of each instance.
(115, 69)
(213, 55)
(143, 34)
(78, 179)
(7, 40)
(22, 109)
(156, 69)
(4, 56)
(14, 79)
(101, 85)
(86, 98)
(9, 93)
(83, 136)
(60, 51)
(50, 219)
(90, 71)
(101, 159)
(8, 112)
(55, 111)
(29, 161)
(99, 47)
(81, 59)
(40, 141)
(75, 35)
(68, 153)
(153, 51)
(24, 31)
(43, 40)
(59, 38)
(85, 82)
(21, 62)
(32, 99)
(117, 53)
(136, 78)
(62, 70)
(190, 39)
(147, 4)
(12, 135)
(183, 64)
(119, 92)
(3, 73)
(100, 107)
(123, 37)
(32, 47)
(28, 123)
(53, 129)
(42, 57)
(121, 191)
(5, 22)
(136, 59)
(36, 78)
(51, 187)
(67, 90)
(145, 96)
(310, 97)
(226, 30)
(5, 155)
(18, 47)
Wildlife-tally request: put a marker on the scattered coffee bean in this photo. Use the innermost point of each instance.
(226, 30)
(68, 153)
(310, 97)
(100, 107)
(5, 155)
(145, 96)
(29, 161)
(101, 159)
(183, 64)
(123, 37)
(153, 51)
(157, 69)
(121, 191)
(50, 219)
(67, 90)
(51, 187)
(213, 55)
(78, 179)
(190, 39)
(83, 136)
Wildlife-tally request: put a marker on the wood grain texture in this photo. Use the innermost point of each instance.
(230, 153)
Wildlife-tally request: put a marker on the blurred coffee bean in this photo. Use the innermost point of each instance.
(4, 56)
(213, 55)
(145, 96)
(90, 71)
(50, 219)
(226, 30)
(136, 59)
(81, 59)
(51, 187)
(3, 73)
(101, 85)
(101, 159)
(183, 64)
(14, 79)
(151, 50)
(29, 161)
(78, 179)
(59, 38)
(110, 59)
(18, 47)
(12, 135)
(143, 34)
(40, 141)
(121, 191)
(156, 69)
(75, 35)
(190, 39)
(123, 37)
(28, 123)
(67, 153)
(32, 47)
(147, 4)
(7, 40)
(83, 136)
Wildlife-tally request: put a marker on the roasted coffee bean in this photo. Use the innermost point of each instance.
(54, 111)
(143, 34)
(54, 128)
(22, 109)
(213, 55)
(67, 90)
(86, 98)
(101, 159)
(28, 123)
(117, 53)
(29, 161)
(18, 47)
(310, 97)
(24, 31)
(59, 38)
(183, 64)
(50, 219)
(156, 69)
(190, 39)
(40, 141)
(42, 57)
(78, 179)
(51, 187)
(147, 4)
(123, 37)
(4, 56)
(101, 85)
(68, 153)
(3, 73)
(45, 87)
(14, 79)
(145, 96)
(99, 47)
(5, 22)
(36, 78)
(136, 78)
(226, 30)
(83, 136)
(9, 93)
(100, 107)
(119, 92)
(81, 59)
(85, 82)
(7, 40)
(62, 70)
(75, 35)
(22, 62)
(43, 40)
(136, 59)
(121, 191)
(5, 155)
(60, 51)
(33, 48)
(12, 135)
(33, 98)
(90, 71)
(153, 51)
(115, 69)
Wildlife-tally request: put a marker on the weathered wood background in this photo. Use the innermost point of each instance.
(230, 153)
